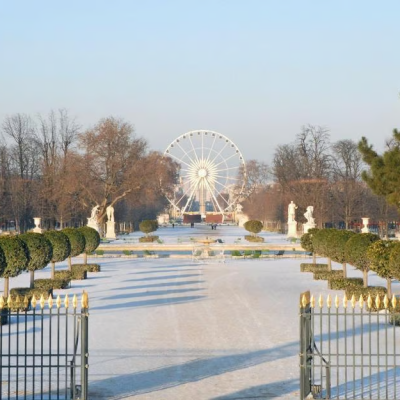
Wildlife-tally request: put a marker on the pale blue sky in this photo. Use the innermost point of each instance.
(255, 71)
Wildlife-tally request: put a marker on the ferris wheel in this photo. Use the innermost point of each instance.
(212, 173)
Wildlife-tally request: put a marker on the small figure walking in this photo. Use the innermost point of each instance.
(173, 225)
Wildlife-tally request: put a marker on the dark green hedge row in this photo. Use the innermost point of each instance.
(309, 267)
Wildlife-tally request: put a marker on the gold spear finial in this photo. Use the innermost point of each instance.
(26, 302)
(58, 301)
(33, 301)
(321, 301)
(74, 301)
(353, 301)
(336, 301)
(369, 301)
(85, 300)
(361, 301)
(66, 301)
(9, 301)
(329, 301)
(42, 301)
(1, 302)
(386, 301)
(303, 300)
(17, 301)
(312, 301)
(394, 301)
(50, 301)
(378, 301)
(345, 301)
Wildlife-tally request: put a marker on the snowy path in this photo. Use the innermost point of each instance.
(168, 329)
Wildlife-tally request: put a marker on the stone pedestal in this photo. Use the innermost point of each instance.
(110, 234)
(307, 227)
(37, 228)
(292, 229)
(93, 224)
(365, 228)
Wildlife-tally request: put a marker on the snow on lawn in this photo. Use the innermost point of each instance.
(173, 329)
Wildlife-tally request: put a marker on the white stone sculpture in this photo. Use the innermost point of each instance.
(37, 228)
(110, 231)
(365, 228)
(92, 221)
(239, 208)
(310, 219)
(110, 213)
(292, 224)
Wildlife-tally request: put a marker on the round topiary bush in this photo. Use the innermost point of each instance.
(16, 256)
(306, 242)
(148, 225)
(92, 240)
(61, 248)
(338, 244)
(253, 226)
(77, 242)
(356, 252)
(40, 252)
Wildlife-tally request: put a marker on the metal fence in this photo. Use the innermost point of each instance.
(349, 349)
(44, 348)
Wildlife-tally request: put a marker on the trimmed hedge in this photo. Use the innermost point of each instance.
(78, 273)
(327, 275)
(92, 239)
(253, 226)
(344, 283)
(28, 292)
(76, 240)
(40, 250)
(365, 291)
(147, 239)
(250, 238)
(309, 267)
(90, 267)
(148, 225)
(60, 243)
(16, 256)
(306, 240)
(47, 284)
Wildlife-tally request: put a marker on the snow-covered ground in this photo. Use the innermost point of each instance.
(176, 330)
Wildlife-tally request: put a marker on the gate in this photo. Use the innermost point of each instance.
(349, 349)
(44, 348)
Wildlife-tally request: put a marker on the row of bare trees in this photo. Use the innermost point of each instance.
(51, 168)
(314, 171)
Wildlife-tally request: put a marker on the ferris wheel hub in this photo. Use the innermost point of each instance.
(202, 173)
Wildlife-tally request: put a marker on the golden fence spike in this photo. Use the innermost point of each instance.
(353, 301)
(74, 301)
(42, 302)
(9, 301)
(33, 301)
(394, 301)
(321, 301)
(17, 300)
(345, 301)
(378, 302)
(2, 302)
(26, 302)
(66, 301)
(312, 301)
(50, 301)
(336, 301)
(58, 301)
(85, 300)
(329, 301)
(303, 300)
(386, 301)
(369, 301)
(361, 301)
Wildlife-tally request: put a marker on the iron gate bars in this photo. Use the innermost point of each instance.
(40, 357)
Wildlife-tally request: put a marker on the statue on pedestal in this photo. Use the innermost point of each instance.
(292, 224)
(365, 228)
(110, 234)
(310, 219)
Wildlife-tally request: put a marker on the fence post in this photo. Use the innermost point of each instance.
(305, 345)
(84, 346)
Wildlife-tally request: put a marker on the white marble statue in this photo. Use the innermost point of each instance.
(292, 224)
(310, 219)
(92, 220)
(239, 208)
(292, 212)
(309, 215)
(110, 213)
(365, 228)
